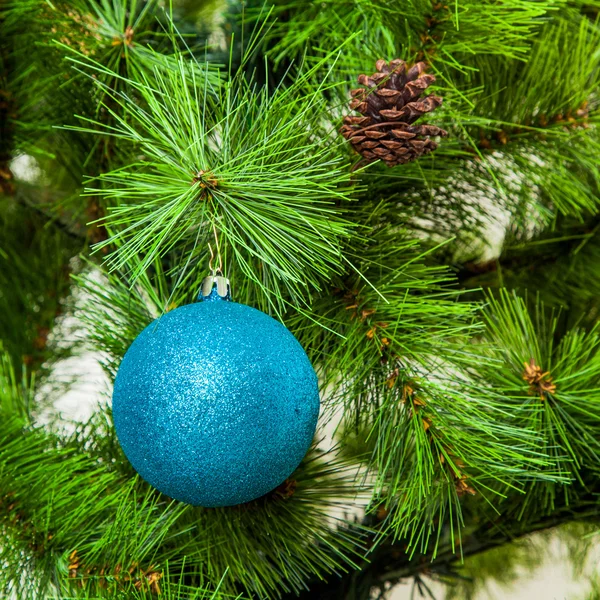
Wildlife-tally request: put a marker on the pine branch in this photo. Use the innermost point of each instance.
(246, 163)
(450, 32)
(432, 433)
(148, 586)
(559, 266)
(552, 383)
(389, 565)
(525, 94)
(465, 436)
(34, 282)
(433, 438)
(90, 521)
(122, 35)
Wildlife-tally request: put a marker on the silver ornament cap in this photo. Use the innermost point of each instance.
(215, 287)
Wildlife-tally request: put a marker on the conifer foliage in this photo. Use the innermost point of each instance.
(438, 260)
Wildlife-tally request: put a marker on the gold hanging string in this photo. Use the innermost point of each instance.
(219, 269)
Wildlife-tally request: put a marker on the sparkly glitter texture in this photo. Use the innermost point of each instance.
(215, 403)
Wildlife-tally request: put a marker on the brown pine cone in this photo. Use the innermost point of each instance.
(390, 103)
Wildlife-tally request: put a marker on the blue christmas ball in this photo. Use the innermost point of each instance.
(215, 403)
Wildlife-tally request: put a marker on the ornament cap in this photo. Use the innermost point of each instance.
(215, 287)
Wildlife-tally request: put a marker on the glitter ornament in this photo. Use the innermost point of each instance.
(215, 403)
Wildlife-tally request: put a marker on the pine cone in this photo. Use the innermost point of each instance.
(390, 104)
